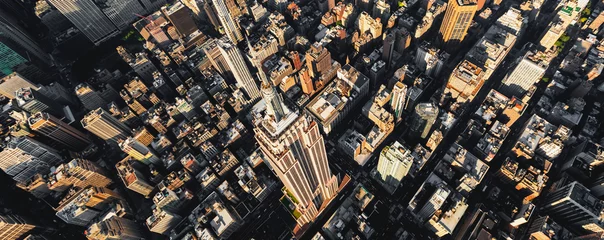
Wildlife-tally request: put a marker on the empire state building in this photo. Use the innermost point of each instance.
(295, 150)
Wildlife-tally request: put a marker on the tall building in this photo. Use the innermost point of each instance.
(398, 101)
(388, 50)
(34, 102)
(574, 206)
(51, 18)
(429, 59)
(423, 118)
(22, 158)
(132, 177)
(90, 98)
(528, 71)
(79, 173)
(115, 228)
(394, 163)
(318, 60)
(105, 126)
(229, 26)
(58, 131)
(88, 18)
(456, 22)
(82, 206)
(162, 221)
(122, 12)
(152, 5)
(240, 71)
(17, 46)
(295, 150)
(139, 151)
(13, 82)
(16, 227)
(179, 15)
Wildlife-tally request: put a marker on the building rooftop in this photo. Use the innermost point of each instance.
(327, 105)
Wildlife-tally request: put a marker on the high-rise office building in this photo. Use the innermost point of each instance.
(318, 60)
(457, 21)
(162, 221)
(295, 150)
(132, 177)
(34, 102)
(59, 131)
(240, 71)
(22, 158)
(423, 118)
(16, 227)
(105, 126)
(180, 16)
(51, 18)
(88, 18)
(398, 100)
(139, 151)
(17, 46)
(122, 12)
(394, 163)
(115, 228)
(79, 173)
(152, 5)
(90, 98)
(13, 82)
(388, 49)
(574, 206)
(228, 24)
(82, 206)
(528, 71)
(429, 59)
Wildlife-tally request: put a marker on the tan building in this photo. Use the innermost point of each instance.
(132, 177)
(318, 60)
(78, 173)
(456, 22)
(16, 227)
(58, 131)
(105, 126)
(304, 171)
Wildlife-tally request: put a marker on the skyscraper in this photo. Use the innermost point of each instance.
(13, 82)
(398, 100)
(528, 72)
(78, 173)
(318, 60)
(22, 158)
(90, 98)
(240, 71)
(139, 151)
(105, 126)
(423, 118)
(132, 177)
(16, 227)
(34, 102)
(295, 150)
(179, 15)
(576, 207)
(394, 164)
(152, 5)
(115, 227)
(228, 24)
(388, 50)
(58, 131)
(122, 12)
(456, 22)
(88, 18)
(17, 47)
